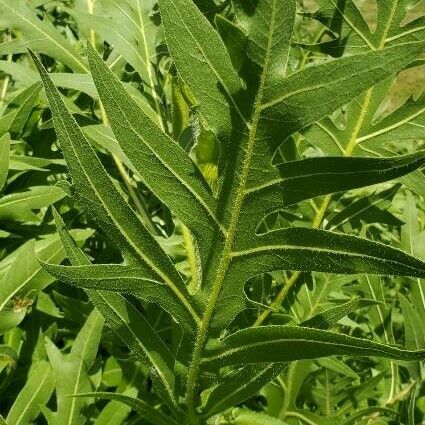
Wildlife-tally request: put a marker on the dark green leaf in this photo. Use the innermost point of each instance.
(99, 195)
(286, 343)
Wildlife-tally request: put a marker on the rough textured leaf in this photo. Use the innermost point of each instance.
(313, 93)
(312, 177)
(309, 249)
(241, 385)
(286, 343)
(126, 280)
(124, 319)
(164, 165)
(97, 192)
(196, 46)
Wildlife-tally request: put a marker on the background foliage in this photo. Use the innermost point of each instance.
(53, 344)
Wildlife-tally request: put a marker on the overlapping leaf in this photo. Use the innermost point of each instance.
(122, 317)
(98, 194)
(34, 394)
(143, 409)
(71, 371)
(20, 206)
(154, 154)
(195, 45)
(38, 34)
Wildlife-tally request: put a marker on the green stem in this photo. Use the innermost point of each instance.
(290, 283)
(6, 80)
(192, 258)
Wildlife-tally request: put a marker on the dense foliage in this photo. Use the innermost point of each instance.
(212, 212)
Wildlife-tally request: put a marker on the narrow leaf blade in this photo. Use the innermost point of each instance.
(288, 343)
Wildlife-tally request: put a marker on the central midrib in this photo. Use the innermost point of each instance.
(229, 239)
(378, 348)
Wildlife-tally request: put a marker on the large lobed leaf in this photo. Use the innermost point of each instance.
(226, 228)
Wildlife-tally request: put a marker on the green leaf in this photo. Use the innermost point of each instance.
(104, 139)
(362, 209)
(19, 206)
(241, 89)
(29, 163)
(10, 318)
(8, 357)
(128, 26)
(36, 392)
(240, 385)
(287, 343)
(306, 250)
(329, 317)
(73, 252)
(163, 165)
(244, 383)
(24, 103)
(99, 195)
(119, 278)
(124, 319)
(319, 250)
(312, 177)
(235, 40)
(115, 413)
(412, 241)
(415, 335)
(203, 64)
(137, 333)
(4, 159)
(71, 370)
(6, 121)
(40, 35)
(366, 413)
(127, 280)
(23, 276)
(143, 409)
(315, 92)
(247, 417)
(269, 27)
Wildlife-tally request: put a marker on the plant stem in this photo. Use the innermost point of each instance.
(280, 297)
(142, 210)
(202, 334)
(4, 88)
(90, 6)
(6, 80)
(192, 258)
(290, 283)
